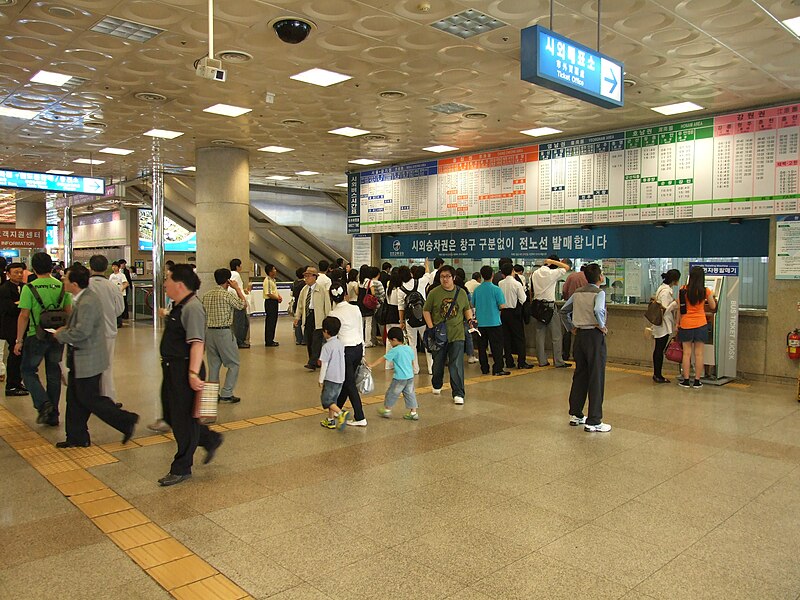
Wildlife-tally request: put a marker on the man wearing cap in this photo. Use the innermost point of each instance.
(313, 305)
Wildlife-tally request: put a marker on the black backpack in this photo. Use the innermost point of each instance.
(50, 318)
(414, 304)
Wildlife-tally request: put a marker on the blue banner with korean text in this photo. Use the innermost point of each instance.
(353, 202)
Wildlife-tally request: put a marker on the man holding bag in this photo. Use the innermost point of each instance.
(448, 305)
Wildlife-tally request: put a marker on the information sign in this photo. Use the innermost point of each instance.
(718, 269)
(48, 182)
(562, 65)
(22, 238)
(787, 248)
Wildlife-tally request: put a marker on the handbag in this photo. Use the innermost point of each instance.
(674, 351)
(542, 311)
(364, 381)
(205, 403)
(435, 338)
(370, 300)
(654, 312)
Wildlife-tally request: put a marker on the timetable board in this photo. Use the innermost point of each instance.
(733, 165)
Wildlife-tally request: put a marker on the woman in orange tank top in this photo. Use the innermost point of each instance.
(693, 325)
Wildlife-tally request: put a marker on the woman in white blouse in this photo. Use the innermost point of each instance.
(415, 277)
(663, 332)
(351, 334)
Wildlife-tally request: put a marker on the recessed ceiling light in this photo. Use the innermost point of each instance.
(364, 161)
(164, 133)
(680, 107)
(278, 177)
(275, 149)
(340, 184)
(128, 30)
(17, 113)
(440, 148)
(349, 131)
(88, 161)
(307, 173)
(227, 110)
(794, 25)
(320, 77)
(50, 78)
(59, 172)
(189, 169)
(540, 131)
(118, 151)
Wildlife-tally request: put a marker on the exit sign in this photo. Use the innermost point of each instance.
(557, 63)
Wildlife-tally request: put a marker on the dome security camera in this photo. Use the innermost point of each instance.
(292, 30)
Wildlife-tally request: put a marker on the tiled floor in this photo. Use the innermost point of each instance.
(694, 494)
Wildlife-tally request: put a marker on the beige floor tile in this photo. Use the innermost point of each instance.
(181, 572)
(303, 591)
(698, 507)
(538, 577)
(572, 501)
(256, 520)
(386, 576)
(452, 495)
(469, 594)
(462, 553)
(253, 570)
(716, 479)
(662, 528)
(391, 522)
(159, 552)
(218, 587)
(691, 578)
(613, 555)
(320, 548)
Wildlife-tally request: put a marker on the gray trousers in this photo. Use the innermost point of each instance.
(221, 349)
(556, 332)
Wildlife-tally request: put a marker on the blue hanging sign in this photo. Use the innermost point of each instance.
(48, 182)
(353, 202)
(557, 63)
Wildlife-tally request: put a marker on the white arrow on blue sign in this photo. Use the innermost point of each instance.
(610, 79)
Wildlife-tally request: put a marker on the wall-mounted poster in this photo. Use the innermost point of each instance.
(176, 237)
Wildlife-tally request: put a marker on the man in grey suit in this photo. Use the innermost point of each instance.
(87, 358)
(113, 303)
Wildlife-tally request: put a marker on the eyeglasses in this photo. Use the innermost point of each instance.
(443, 276)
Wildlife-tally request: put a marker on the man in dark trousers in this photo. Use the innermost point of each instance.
(9, 313)
(87, 358)
(182, 347)
(585, 315)
(123, 267)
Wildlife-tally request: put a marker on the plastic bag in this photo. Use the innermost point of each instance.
(364, 381)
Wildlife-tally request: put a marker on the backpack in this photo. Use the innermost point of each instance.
(414, 304)
(50, 318)
(654, 312)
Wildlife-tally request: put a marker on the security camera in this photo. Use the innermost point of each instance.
(292, 30)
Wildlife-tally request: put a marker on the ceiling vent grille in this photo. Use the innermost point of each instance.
(468, 24)
(234, 56)
(128, 30)
(475, 115)
(293, 122)
(450, 108)
(392, 95)
(90, 124)
(222, 143)
(150, 97)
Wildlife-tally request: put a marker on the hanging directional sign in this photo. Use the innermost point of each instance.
(48, 182)
(557, 63)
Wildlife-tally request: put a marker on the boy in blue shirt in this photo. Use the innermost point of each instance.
(402, 356)
(331, 374)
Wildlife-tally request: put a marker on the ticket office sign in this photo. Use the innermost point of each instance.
(49, 182)
(562, 65)
(733, 165)
(22, 238)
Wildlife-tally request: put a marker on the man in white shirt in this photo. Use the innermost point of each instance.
(429, 279)
(544, 281)
(241, 320)
(473, 283)
(113, 303)
(322, 279)
(511, 318)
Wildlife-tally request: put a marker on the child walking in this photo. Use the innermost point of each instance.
(331, 374)
(402, 356)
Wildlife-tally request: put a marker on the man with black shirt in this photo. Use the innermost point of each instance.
(9, 313)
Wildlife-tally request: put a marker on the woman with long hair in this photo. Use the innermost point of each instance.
(663, 332)
(393, 305)
(693, 325)
(351, 335)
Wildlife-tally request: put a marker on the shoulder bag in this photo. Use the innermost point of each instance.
(654, 312)
(674, 351)
(435, 338)
(542, 311)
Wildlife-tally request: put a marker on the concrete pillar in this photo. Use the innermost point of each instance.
(222, 216)
(31, 214)
(783, 296)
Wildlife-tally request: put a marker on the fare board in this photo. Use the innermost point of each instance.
(733, 165)
(47, 182)
(562, 65)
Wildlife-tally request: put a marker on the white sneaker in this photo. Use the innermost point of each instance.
(472, 360)
(601, 428)
(458, 400)
(575, 421)
(437, 392)
(354, 423)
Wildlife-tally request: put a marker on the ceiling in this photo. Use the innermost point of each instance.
(721, 54)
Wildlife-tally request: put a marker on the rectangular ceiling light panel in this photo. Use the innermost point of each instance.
(117, 151)
(227, 110)
(676, 109)
(540, 131)
(320, 77)
(51, 78)
(468, 24)
(349, 131)
(128, 30)
(164, 133)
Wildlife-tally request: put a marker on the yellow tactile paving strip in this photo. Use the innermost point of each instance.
(176, 568)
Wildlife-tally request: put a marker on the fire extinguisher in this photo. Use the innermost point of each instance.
(793, 344)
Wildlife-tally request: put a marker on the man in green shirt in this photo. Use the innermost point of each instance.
(436, 306)
(33, 349)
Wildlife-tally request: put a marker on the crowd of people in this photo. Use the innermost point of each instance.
(338, 312)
